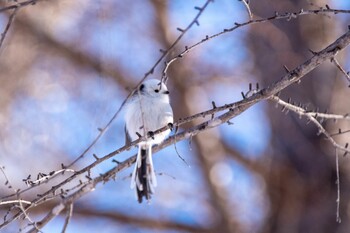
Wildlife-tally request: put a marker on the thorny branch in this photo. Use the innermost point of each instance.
(288, 16)
(164, 54)
(346, 74)
(313, 117)
(105, 128)
(231, 110)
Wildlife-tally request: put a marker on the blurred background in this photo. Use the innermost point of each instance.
(66, 67)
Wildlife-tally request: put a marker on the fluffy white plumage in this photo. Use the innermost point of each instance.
(147, 110)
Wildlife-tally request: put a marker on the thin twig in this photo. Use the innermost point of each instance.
(51, 215)
(178, 155)
(19, 5)
(7, 181)
(346, 74)
(11, 202)
(338, 219)
(183, 31)
(246, 4)
(69, 215)
(8, 25)
(313, 118)
(288, 16)
(23, 210)
(340, 133)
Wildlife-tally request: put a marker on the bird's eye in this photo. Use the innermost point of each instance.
(142, 87)
(156, 90)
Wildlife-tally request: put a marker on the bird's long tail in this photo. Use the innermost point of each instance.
(143, 177)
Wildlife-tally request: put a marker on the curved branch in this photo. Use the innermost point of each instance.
(240, 106)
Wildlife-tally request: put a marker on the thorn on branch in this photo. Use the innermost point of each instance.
(196, 22)
(312, 52)
(213, 104)
(243, 95)
(138, 134)
(149, 72)
(116, 161)
(62, 166)
(180, 29)
(327, 7)
(229, 122)
(162, 51)
(238, 24)
(286, 68)
(206, 38)
(214, 107)
(198, 8)
(100, 129)
(308, 120)
(95, 156)
(346, 146)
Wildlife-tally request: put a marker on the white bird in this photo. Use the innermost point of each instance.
(147, 110)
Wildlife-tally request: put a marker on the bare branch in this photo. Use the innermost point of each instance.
(19, 5)
(8, 25)
(14, 202)
(312, 116)
(234, 109)
(164, 54)
(69, 215)
(246, 5)
(277, 16)
(338, 219)
(346, 74)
